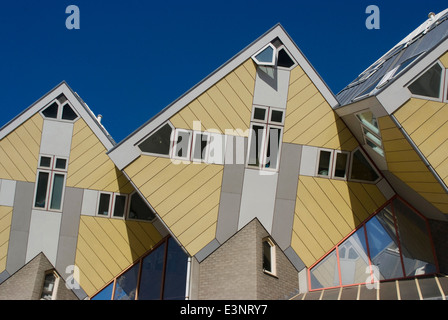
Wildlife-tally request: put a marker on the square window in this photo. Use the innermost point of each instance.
(260, 114)
(341, 163)
(104, 204)
(324, 163)
(119, 205)
(200, 146)
(277, 116)
(182, 144)
(61, 163)
(45, 162)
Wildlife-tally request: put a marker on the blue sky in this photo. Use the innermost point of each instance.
(130, 59)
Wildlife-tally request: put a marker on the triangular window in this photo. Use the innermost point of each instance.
(56, 111)
(68, 113)
(159, 142)
(428, 84)
(51, 111)
(284, 60)
(361, 169)
(266, 56)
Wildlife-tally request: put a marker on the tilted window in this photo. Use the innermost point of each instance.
(269, 256)
(139, 210)
(361, 168)
(429, 83)
(158, 142)
(60, 109)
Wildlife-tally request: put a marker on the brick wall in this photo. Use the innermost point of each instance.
(234, 271)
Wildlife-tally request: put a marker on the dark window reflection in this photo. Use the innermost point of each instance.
(175, 272)
(127, 284)
(152, 272)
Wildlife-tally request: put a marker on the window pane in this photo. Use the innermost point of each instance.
(326, 273)
(105, 294)
(151, 277)
(429, 83)
(260, 114)
(175, 272)
(277, 116)
(415, 242)
(200, 145)
(45, 162)
(159, 142)
(284, 60)
(103, 207)
(61, 163)
(255, 145)
(126, 286)
(41, 191)
(273, 148)
(68, 113)
(266, 56)
(139, 210)
(182, 144)
(119, 206)
(324, 163)
(369, 120)
(361, 168)
(341, 164)
(56, 193)
(47, 290)
(353, 259)
(383, 245)
(51, 111)
(267, 258)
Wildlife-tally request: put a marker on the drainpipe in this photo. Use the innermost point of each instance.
(187, 286)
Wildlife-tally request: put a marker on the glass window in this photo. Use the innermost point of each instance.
(56, 194)
(267, 256)
(61, 163)
(428, 84)
(51, 111)
(260, 114)
(326, 273)
(340, 168)
(277, 116)
(273, 148)
(415, 242)
(104, 204)
(182, 144)
(126, 284)
(119, 205)
(284, 60)
(45, 162)
(106, 293)
(151, 277)
(266, 56)
(49, 286)
(256, 140)
(201, 141)
(324, 163)
(41, 190)
(159, 142)
(383, 245)
(361, 168)
(175, 272)
(369, 120)
(139, 209)
(68, 113)
(353, 259)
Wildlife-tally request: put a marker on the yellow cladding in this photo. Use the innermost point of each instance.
(310, 120)
(404, 162)
(89, 165)
(107, 246)
(185, 195)
(444, 59)
(225, 106)
(5, 227)
(19, 151)
(327, 210)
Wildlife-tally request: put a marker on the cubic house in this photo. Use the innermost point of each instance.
(258, 183)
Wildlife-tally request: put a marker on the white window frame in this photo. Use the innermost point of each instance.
(330, 165)
(274, 56)
(187, 157)
(347, 165)
(54, 291)
(266, 124)
(52, 171)
(273, 254)
(111, 205)
(372, 130)
(289, 54)
(129, 208)
(173, 129)
(442, 81)
(206, 150)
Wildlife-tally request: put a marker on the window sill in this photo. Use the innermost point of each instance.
(270, 274)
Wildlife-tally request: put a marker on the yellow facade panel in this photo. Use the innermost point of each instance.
(202, 240)
(444, 59)
(5, 229)
(408, 109)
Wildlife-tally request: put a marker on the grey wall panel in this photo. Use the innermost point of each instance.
(20, 225)
(282, 222)
(68, 236)
(295, 259)
(7, 192)
(272, 91)
(207, 250)
(56, 138)
(288, 177)
(229, 211)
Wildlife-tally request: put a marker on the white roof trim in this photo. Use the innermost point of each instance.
(126, 151)
(81, 108)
